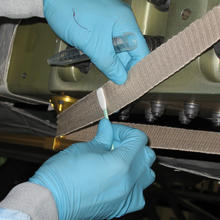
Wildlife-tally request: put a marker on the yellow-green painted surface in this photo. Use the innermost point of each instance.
(29, 74)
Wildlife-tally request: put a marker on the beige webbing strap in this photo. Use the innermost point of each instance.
(152, 70)
(166, 138)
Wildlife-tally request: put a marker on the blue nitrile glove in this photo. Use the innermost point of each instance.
(88, 181)
(90, 26)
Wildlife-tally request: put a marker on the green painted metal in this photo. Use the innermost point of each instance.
(29, 73)
(2, 161)
(195, 78)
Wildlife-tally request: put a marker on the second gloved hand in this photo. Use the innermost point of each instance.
(88, 181)
(90, 26)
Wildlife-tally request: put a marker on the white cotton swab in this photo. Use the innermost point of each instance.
(102, 101)
(103, 104)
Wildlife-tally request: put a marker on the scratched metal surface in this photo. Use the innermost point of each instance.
(6, 37)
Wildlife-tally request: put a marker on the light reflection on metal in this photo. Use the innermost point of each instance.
(191, 110)
(216, 119)
(157, 108)
(62, 102)
(149, 116)
(183, 118)
(49, 143)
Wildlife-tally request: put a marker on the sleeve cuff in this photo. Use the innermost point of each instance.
(12, 215)
(21, 8)
(32, 199)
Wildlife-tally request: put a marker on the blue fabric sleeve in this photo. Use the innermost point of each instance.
(8, 214)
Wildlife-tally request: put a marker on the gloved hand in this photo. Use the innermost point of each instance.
(88, 181)
(91, 25)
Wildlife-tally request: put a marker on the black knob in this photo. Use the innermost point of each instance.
(162, 5)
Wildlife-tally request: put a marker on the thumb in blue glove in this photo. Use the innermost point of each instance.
(88, 181)
(91, 25)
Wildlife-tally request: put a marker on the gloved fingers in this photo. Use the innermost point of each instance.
(147, 178)
(131, 141)
(138, 201)
(139, 53)
(112, 67)
(122, 133)
(116, 144)
(150, 156)
(106, 59)
(129, 25)
(104, 133)
(104, 137)
(132, 57)
(125, 59)
(135, 201)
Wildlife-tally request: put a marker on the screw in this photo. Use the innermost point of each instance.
(149, 115)
(61, 102)
(124, 117)
(191, 110)
(176, 170)
(183, 118)
(24, 75)
(157, 108)
(125, 113)
(216, 119)
(185, 14)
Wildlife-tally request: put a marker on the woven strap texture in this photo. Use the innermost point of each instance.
(168, 138)
(162, 63)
